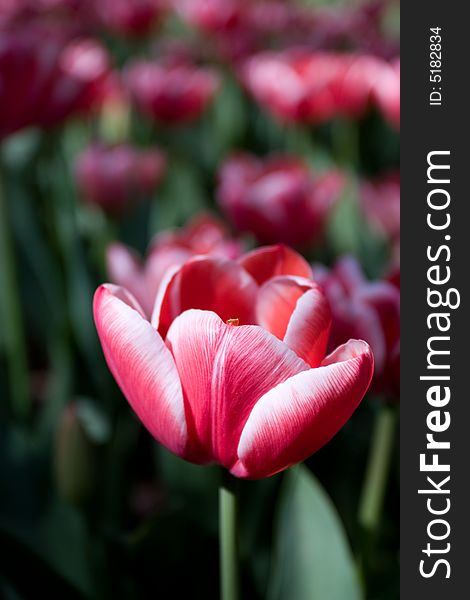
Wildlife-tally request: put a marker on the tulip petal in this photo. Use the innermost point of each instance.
(224, 370)
(142, 366)
(267, 262)
(125, 269)
(308, 330)
(276, 302)
(299, 416)
(207, 283)
(295, 310)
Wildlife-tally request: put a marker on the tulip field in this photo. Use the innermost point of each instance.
(199, 299)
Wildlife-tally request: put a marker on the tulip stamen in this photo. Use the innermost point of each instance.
(233, 322)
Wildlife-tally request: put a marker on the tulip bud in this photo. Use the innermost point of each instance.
(114, 177)
(279, 199)
(131, 17)
(171, 92)
(212, 16)
(44, 78)
(74, 461)
(313, 87)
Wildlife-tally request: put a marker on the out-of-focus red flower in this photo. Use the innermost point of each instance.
(114, 177)
(124, 17)
(278, 199)
(387, 93)
(131, 17)
(312, 87)
(232, 369)
(44, 79)
(212, 16)
(203, 235)
(81, 82)
(380, 201)
(171, 92)
(368, 310)
(71, 15)
(241, 27)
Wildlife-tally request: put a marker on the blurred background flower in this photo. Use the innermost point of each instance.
(171, 92)
(279, 199)
(203, 235)
(113, 177)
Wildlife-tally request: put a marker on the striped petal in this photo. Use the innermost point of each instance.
(125, 269)
(297, 417)
(207, 283)
(224, 370)
(308, 330)
(142, 366)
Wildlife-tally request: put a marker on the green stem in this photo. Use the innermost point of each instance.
(375, 482)
(346, 142)
(12, 322)
(228, 539)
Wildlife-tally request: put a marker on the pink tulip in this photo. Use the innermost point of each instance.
(203, 235)
(232, 368)
(278, 199)
(380, 201)
(369, 310)
(312, 87)
(45, 78)
(387, 93)
(114, 177)
(173, 92)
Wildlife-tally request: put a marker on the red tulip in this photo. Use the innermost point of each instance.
(232, 368)
(241, 27)
(131, 17)
(203, 235)
(212, 15)
(77, 15)
(380, 201)
(114, 177)
(81, 82)
(387, 93)
(173, 93)
(44, 78)
(369, 310)
(278, 200)
(298, 85)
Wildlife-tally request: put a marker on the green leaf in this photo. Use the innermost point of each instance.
(64, 544)
(191, 488)
(27, 572)
(312, 558)
(93, 420)
(181, 197)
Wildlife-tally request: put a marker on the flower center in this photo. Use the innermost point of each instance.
(233, 322)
